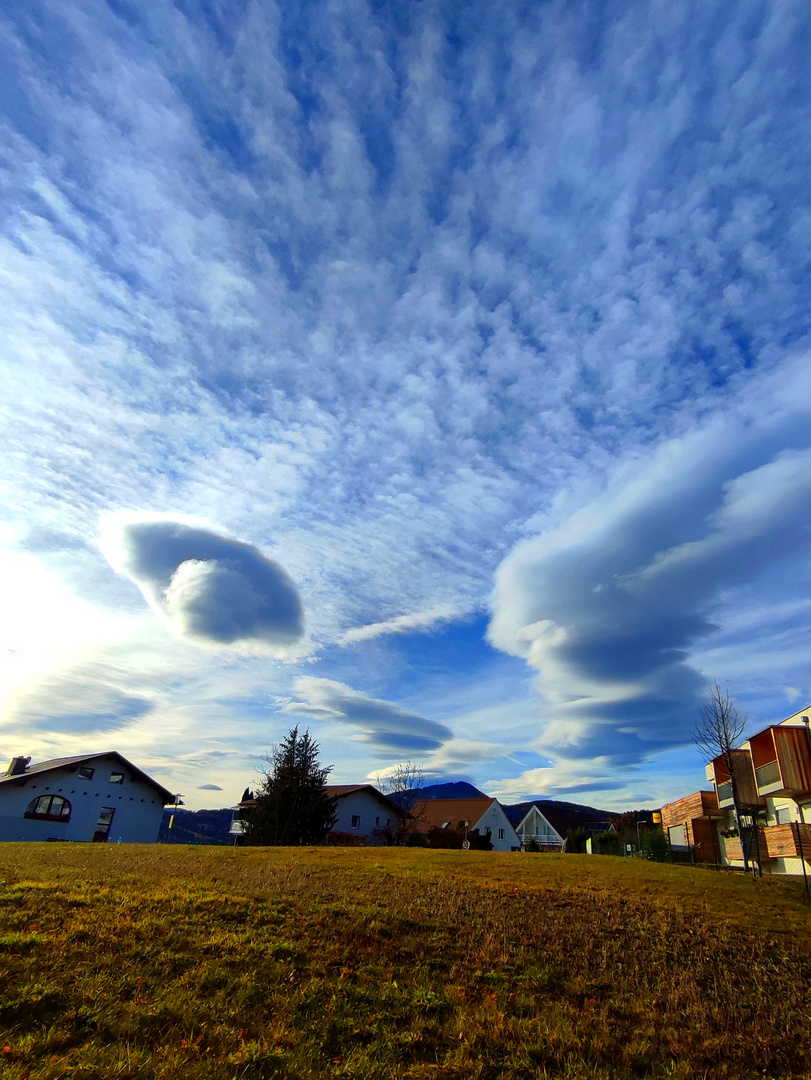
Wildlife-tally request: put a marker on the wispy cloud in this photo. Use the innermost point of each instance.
(419, 620)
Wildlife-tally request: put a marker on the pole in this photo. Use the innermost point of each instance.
(638, 839)
(799, 835)
(758, 871)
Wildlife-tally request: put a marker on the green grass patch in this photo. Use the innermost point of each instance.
(125, 961)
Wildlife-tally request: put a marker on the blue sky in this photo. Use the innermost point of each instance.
(432, 375)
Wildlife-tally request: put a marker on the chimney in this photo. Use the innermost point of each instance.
(18, 766)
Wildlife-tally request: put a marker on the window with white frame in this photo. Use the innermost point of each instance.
(355, 821)
(677, 835)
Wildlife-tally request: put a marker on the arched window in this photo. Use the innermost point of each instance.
(48, 808)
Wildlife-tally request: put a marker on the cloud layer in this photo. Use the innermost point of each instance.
(383, 725)
(612, 604)
(209, 588)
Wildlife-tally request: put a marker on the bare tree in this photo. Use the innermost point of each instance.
(718, 734)
(403, 785)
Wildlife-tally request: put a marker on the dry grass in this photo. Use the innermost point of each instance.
(250, 963)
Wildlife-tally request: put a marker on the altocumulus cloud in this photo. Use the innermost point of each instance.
(378, 722)
(209, 588)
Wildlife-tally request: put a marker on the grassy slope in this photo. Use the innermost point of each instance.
(214, 962)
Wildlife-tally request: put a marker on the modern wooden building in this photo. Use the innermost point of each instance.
(692, 822)
(773, 777)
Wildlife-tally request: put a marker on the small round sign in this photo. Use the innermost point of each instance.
(465, 845)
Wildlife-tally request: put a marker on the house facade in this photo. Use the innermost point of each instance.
(533, 827)
(94, 797)
(773, 778)
(463, 817)
(547, 822)
(363, 811)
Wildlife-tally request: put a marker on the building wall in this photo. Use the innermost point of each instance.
(502, 834)
(685, 822)
(691, 806)
(370, 813)
(534, 826)
(137, 806)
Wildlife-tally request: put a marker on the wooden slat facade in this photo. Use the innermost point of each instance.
(732, 846)
(781, 756)
(691, 806)
(776, 842)
(794, 758)
(780, 841)
(694, 813)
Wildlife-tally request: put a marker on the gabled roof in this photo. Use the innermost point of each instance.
(434, 813)
(562, 816)
(518, 811)
(340, 791)
(82, 759)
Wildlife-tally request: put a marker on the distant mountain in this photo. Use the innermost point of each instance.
(454, 789)
(457, 789)
(195, 826)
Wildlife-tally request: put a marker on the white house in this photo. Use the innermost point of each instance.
(532, 825)
(362, 810)
(96, 797)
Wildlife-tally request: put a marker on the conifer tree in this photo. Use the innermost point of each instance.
(291, 805)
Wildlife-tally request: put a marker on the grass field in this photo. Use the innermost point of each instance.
(125, 961)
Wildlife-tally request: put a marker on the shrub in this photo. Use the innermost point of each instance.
(336, 838)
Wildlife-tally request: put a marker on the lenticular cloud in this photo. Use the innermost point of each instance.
(209, 588)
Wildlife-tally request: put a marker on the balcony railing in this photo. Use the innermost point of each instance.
(781, 841)
(724, 793)
(768, 774)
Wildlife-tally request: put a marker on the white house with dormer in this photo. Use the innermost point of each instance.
(95, 797)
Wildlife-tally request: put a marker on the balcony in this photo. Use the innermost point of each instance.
(776, 842)
(767, 776)
(782, 759)
(740, 762)
(780, 841)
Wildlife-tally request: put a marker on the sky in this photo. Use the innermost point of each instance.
(433, 376)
